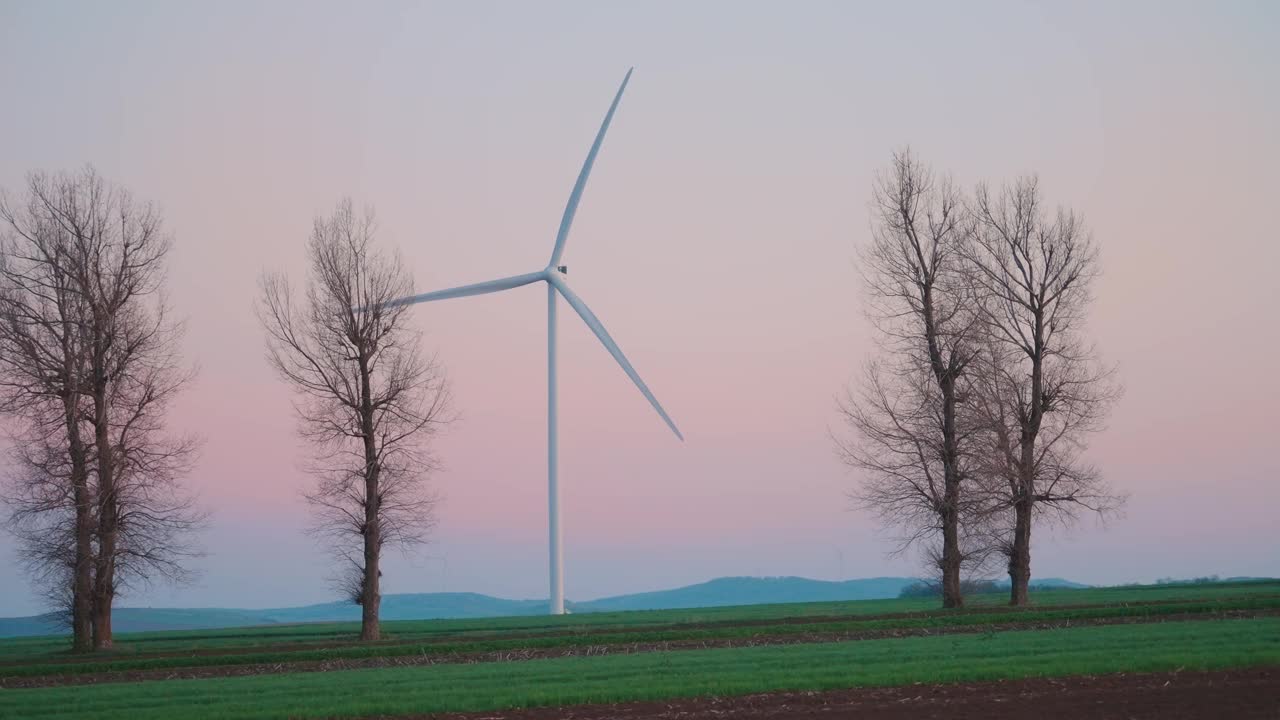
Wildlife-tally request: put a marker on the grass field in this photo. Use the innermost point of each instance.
(189, 640)
(298, 671)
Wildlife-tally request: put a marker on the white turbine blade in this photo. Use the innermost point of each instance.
(593, 322)
(574, 197)
(481, 288)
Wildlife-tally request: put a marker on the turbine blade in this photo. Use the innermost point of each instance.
(574, 197)
(480, 288)
(594, 323)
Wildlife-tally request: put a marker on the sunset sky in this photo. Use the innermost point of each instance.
(716, 241)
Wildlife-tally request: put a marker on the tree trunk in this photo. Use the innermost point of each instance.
(104, 589)
(370, 596)
(102, 599)
(104, 585)
(82, 579)
(82, 583)
(952, 596)
(370, 589)
(1020, 558)
(82, 571)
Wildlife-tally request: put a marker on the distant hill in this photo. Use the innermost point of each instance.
(422, 606)
(751, 591)
(413, 606)
(394, 607)
(143, 619)
(24, 626)
(1054, 583)
(933, 588)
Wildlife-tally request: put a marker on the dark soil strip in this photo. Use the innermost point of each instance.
(1245, 694)
(118, 676)
(589, 630)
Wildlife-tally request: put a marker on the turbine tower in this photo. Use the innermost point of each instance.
(554, 276)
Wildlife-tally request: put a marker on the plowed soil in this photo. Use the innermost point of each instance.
(1237, 694)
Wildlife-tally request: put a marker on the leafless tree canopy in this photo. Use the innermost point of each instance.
(43, 367)
(1040, 390)
(974, 419)
(41, 500)
(368, 400)
(89, 365)
(910, 434)
(154, 514)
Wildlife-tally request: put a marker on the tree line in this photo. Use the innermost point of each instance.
(969, 425)
(91, 363)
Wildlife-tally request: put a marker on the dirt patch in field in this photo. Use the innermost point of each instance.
(1238, 694)
(521, 654)
(586, 631)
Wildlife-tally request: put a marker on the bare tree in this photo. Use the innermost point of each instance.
(368, 400)
(43, 375)
(1040, 390)
(910, 434)
(104, 252)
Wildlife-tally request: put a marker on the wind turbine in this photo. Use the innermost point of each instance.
(554, 276)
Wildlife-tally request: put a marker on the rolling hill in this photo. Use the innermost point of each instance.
(421, 606)
(751, 591)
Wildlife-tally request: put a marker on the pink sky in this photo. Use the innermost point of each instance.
(716, 242)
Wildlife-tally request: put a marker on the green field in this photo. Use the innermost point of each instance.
(776, 647)
(26, 648)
